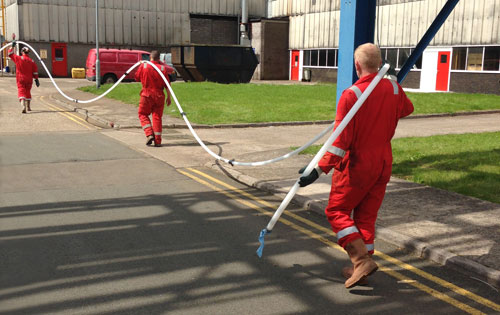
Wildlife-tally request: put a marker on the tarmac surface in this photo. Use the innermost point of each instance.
(451, 229)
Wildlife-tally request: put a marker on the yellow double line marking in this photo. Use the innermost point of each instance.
(235, 193)
(77, 119)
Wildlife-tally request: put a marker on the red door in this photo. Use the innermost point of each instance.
(295, 65)
(443, 71)
(59, 60)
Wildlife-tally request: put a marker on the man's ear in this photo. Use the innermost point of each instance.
(357, 65)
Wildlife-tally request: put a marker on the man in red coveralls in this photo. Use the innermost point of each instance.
(152, 98)
(26, 71)
(362, 159)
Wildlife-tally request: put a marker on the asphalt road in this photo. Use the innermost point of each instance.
(94, 225)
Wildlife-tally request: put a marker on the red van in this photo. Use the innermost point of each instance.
(114, 63)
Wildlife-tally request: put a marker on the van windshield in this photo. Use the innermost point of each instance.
(145, 56)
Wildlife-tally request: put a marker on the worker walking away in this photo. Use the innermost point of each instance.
(362, 159)
(152, 98)
(26, 71)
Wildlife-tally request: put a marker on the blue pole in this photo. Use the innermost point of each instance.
(357, 26)
(426, 39)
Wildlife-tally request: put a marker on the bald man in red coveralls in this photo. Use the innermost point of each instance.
(26, 71)
(152, 98)
(362, 159)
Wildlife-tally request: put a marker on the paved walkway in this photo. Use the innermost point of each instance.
(449, 228)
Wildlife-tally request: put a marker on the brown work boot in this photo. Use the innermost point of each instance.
(347, 273)
(362, 262)
(24, 107)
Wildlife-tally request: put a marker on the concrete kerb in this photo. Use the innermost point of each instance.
(89, 117)
(419, 248)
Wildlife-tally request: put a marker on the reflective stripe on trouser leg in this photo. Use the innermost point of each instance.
(365, 214)
(144, 112)
(347, 231)
(156, 115)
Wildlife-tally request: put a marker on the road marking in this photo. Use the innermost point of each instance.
(381, 255)
(69, 115)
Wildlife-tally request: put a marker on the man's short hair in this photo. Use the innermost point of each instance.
(369, 56)
(155, 55)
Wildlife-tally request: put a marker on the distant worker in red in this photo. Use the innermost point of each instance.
(362, 159)
(152, 98)
(26, 71)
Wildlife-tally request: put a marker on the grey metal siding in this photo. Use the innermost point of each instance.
(121, 22)
(315, 23)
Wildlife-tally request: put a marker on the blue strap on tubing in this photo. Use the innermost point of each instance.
(319, 155)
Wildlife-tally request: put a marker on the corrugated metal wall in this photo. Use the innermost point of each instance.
(314, 23)
(121, 22)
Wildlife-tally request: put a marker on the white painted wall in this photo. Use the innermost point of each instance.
(429, 68)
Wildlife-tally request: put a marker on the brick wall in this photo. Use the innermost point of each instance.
(486, 83)
(214, 30)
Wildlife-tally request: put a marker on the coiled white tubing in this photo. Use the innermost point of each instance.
(184, 116)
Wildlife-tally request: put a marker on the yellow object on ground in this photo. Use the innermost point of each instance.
(78, 73)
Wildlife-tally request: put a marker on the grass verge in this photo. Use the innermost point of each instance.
(212, 103)
(468, 164)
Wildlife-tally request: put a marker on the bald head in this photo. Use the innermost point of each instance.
(368, 56)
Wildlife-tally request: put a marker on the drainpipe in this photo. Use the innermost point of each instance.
(244, 39)
(97, 61)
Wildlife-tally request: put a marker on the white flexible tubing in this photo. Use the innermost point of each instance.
(219, 158)
(232, 162)
(327, 144)
(61, 92)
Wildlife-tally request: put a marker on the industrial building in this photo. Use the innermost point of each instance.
(463, 57)
(290, 37)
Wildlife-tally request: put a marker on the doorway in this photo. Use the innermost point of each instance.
(59, 60)
(295, 65)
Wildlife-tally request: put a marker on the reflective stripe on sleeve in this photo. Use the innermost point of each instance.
(370, 247)
(395, 86)
(356, 91)
(318, 169)
(162, 68)
(347, 231)
(146, 126)
(336, 151)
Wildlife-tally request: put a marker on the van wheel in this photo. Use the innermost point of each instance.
(109, 79)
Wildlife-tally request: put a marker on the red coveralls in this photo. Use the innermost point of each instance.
(152, 98)
(362, 158)
(26, 71)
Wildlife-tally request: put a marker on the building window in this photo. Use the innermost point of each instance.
(404, 54)
(314, 57)
(392, 57)
(322, 58)
(307, 57)
(491, 59)
(475, 59)
(332, 56)
(459, 58)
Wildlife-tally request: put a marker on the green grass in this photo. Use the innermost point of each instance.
(212, 103)
(468, 164)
